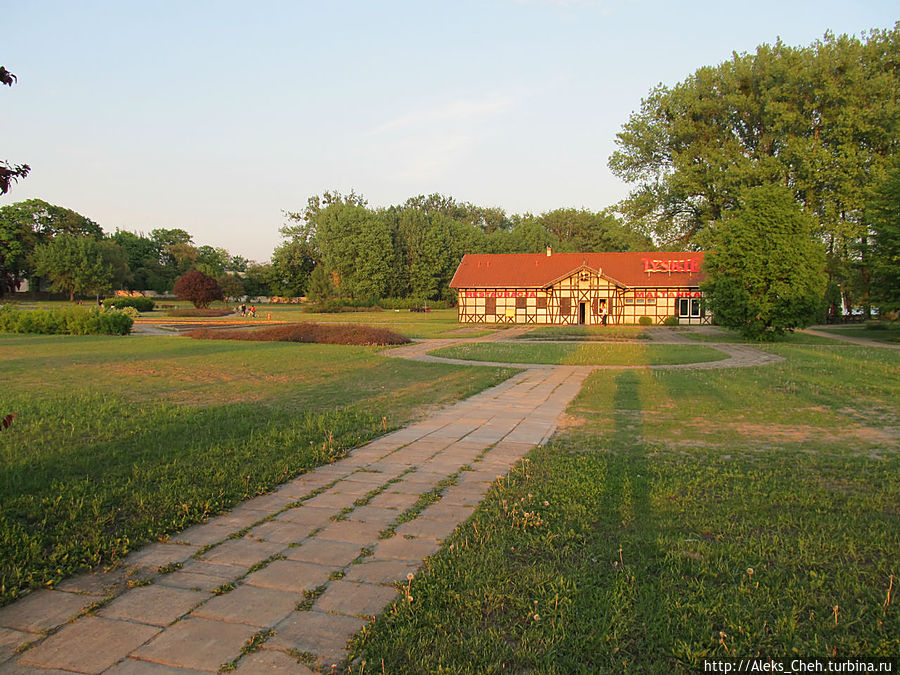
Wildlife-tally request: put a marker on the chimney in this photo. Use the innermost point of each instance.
(549, 251)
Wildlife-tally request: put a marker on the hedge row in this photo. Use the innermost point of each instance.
(140, 304)
(65, 321)
(331, 334)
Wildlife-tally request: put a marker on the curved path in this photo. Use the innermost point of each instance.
(280, 583)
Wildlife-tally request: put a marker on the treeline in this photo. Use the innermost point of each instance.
(338, 247)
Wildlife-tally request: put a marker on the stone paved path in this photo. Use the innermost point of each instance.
(299, 571)
(836, 335)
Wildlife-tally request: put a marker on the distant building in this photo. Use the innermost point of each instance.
(579, 288)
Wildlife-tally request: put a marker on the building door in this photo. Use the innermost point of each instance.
(582, 312)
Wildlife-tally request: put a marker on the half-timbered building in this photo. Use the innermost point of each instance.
(579, 288)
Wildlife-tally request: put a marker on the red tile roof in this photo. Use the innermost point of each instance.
(538, 270)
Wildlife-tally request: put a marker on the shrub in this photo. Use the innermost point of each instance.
(330, 334)
(198, 288)
(670, 321)
(140, 304)
(66, 321)
(412, 303)
(645, 321)
(200, 312)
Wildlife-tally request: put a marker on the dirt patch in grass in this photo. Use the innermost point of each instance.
(330, 334)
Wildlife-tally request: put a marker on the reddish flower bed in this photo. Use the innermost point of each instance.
(330, 334)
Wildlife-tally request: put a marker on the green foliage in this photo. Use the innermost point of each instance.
(670, 321)
(198, 288)
(139, 303)
(24, 226)
(821, 119)
(292, 263)
(645, 321)
(81, 264)
(766, 274)
(884, 216)
(232, 286)
(65, 321)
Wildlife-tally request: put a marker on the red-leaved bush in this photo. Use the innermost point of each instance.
(329, 334)
(197, 288)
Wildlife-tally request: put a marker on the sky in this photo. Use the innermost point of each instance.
(218, 116)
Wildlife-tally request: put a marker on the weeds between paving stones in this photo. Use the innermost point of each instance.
(254, 644)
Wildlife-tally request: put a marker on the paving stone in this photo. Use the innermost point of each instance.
(241, 517)
(11, 640)
(192, 581)
(394, 500)
(90, 645)
(135, 667)
(42, 610)
(324, 635)
(374, 514)
(351, 531)
(260, 607)
(424, 527)
(269, 662)
(203, 535)
(225, 571)
(354, 598)
(358, 487)
(270, 503)
(331, 500)
(306, 515)
(246, 552)
(15, 668)
(401, 548)
(332, 554)
(290, 576)
(100, 584)
(281, 532)
(442, 511)
(382, 571)
(156, 605)
(160, 555)
(201, 644)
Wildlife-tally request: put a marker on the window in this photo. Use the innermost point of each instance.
(521, 303)
(490, 305)
(565, 306)
(689, 307)
(542, 303)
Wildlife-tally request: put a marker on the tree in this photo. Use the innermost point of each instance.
(198, 288)
(231, 285)
(822, 120)
(292, 263)
(767, 273)
(10, 173)
(81, 264)
(884, 215)
(25, 225)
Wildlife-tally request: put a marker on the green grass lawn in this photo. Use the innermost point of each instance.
(581, 354)
(679, 515)
(890, 335)
(119, 441)
(588, 333)
(720, 334)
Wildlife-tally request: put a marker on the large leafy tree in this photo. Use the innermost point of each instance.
(292, 263)
(81, 264)
(884, 216)
(767, 273)
(821, 120)
(25, 225)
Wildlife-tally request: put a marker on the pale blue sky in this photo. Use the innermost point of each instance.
(216, 116)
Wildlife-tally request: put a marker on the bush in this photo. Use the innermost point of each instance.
(645, 321)
(200, 312)
(329, 334)
(412, 303)
(198, 288)
(66, 321)
(670, 321)
(140, 304)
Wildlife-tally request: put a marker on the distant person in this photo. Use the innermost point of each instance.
(603, 314)
(253, 310)
(243, 309)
